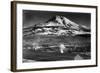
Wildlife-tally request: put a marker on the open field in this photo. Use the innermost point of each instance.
(53, 56)
(78, 40)
(75, 45)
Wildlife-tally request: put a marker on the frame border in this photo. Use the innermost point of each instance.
(14, 35)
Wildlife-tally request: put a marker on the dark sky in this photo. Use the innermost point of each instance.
(31, 17)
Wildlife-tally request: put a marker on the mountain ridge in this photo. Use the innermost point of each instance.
(59, 25)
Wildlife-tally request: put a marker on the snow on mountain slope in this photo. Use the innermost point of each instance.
(59, 25)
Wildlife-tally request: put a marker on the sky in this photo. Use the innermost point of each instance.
(32, 17)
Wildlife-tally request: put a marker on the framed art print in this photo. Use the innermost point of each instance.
(48, 36)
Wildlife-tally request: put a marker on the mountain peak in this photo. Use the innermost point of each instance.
(62, 21)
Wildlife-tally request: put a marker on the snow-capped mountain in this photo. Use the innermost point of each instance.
(59, 21)
(63, 21)
(58, 25)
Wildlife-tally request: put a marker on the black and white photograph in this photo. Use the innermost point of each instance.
(48, 36)
(54, 36)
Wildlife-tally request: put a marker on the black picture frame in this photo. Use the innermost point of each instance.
(14, 35)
